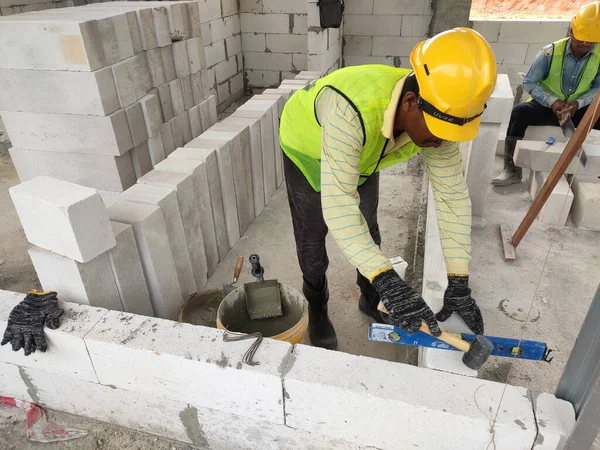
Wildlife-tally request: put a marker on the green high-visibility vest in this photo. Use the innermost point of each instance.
(553, 81)
(368, 88)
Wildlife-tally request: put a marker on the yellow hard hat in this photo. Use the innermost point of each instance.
(456, 72)
(586, 23)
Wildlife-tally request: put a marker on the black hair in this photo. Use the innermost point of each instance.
(410, 85)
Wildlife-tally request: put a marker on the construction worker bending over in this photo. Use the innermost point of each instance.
(338, 132)
(562, 80)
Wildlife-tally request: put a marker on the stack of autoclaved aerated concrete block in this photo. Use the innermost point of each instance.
(100, 94)
(150, 245)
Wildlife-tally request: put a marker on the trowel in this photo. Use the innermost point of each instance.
(263, 299)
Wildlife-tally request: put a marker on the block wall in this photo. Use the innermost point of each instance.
(384, 31)
(324, 44)
(274, 40)
(517, 42)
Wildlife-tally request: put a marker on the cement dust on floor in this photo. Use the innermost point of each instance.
(271, 237)
(16, 270)
(505, 290)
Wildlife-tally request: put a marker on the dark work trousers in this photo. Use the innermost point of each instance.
(310, 228)
(532, 113)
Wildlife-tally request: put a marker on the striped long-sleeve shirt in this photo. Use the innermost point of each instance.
(342, 139)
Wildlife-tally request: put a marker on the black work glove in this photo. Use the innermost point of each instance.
(26, 321)
(458, 299)
(406, 308)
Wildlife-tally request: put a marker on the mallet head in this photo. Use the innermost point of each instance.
(478, 354)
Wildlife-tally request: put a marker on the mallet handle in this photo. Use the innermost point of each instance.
(446, 337)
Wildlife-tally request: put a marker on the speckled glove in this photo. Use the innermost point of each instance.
(457, 299)
(26, 321)
(406, 308)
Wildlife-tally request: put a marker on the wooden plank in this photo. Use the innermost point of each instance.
(591, 116)
(507, 246)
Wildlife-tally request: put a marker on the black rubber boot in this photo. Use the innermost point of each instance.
(369, 299)
(511, 174)
(321, 331)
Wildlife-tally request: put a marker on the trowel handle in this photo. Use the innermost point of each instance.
(257, 270)
(238, 268)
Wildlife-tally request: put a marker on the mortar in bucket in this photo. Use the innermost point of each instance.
(290, 327)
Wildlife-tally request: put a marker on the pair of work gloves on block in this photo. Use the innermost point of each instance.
(26, 322)
(407, 309)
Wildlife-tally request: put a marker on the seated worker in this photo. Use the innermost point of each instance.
(338, 132)
(562, 80)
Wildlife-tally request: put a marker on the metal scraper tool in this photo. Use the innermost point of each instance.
(568, 128)
(263, 299)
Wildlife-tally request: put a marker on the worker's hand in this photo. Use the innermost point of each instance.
(557, 108)
(569, 110)
(26, 321)
(406, 308)
(457, 299)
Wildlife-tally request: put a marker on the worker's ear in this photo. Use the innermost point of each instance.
(409, 102)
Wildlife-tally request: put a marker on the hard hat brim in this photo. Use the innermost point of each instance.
(450, 132)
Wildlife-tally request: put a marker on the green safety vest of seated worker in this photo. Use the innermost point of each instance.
(338, 132)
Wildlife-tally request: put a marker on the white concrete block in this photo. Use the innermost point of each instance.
(167, 137)
(107, 135)
(254, 42)
(128, 274)
(136, 123)
(539, 156)
(132, 79)
(284, 6)
(166, 102)
(395, 7)
(542, 133)
(500, 104)
(168, 62)
(363, 45)
(161, 26)
(266, 111)
(287, 43)
(198, 170)
(91, 283)
(156, 66)
(585, 212)
(12, 384)
(300, 23)
(256, 150)
(156, 149)
(300, 61)
(286, 92)
(215, 53)
(226, 69)
(212, 102)
(179, 21)
(152, 114)
(198, 353)
(140, 159)
(533, 32)
(188, 95)
(166, 199)
(145, 19)
(234, 45)
(510, 53)
(263, 78)
(205, 115)
(197, 88)
(177, 127)
(59, 92)
(67, 353)
(195, 52)
(195, 20)
(177, 96)
(205, 32)
(186, 127)
(195, 121)
(416, 26)
(391, 46)
(487, 28)
(156, 256)
(242, 172)
(225, 170)
(78, 225)
(182, 62)
(426, 411)
(555, 419)
(221, 28)
(102, 172)
(183, 184)
(374, 25)
(265, 23)
(267, 61)
(317, 42)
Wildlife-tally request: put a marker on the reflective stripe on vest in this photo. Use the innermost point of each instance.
(553, 81)
(368, 89)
